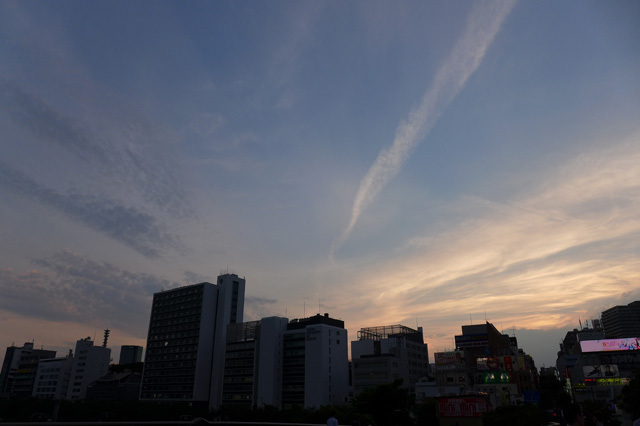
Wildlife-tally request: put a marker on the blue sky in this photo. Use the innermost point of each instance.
(417, 163)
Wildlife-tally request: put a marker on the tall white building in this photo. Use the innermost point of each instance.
(315, 362)
(185, 353)
(89, 364)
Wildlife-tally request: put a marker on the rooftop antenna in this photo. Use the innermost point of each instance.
(580, 323)
(485, 315)
(501, 328)
(106, 337)
(470, 319)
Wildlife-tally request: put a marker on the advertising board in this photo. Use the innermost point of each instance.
(627, 344)
(471, 406)
(493, 377)
(472, 341)
(608, 370)
(449, 360)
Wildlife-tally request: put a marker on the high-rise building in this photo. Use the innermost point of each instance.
(89, 364)
(315, 368)
(384, 354)
(130, 354)
(622, 321)
(253, 365)
(185, 354)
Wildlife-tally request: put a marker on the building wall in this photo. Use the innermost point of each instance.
(130, 354)
(388, 353)
(326, 366)
(622, 321)
(21, 378)
(180, 344)
(186, 342)
(229, 310)
(89, 364)
(269, 365)
(52, 378)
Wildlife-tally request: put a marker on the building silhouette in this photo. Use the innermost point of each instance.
(130, 354)
(387, 353)
(622, 321)
(186, 341)
(19, 369)
(253, 364)
(487, 362)
(89, 364)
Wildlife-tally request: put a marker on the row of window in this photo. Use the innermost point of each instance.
(194, 319)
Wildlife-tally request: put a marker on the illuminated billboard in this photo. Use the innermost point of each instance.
(449, 360)
(497, 363)
(493, 377)
(628, 344)
(606, 370)
(463, 407)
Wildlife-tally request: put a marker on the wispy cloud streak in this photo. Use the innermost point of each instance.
(129, 225)
(465, 58)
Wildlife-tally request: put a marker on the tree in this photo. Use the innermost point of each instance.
(389, 404)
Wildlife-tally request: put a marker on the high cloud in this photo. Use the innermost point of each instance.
(465, 58)
(68, 287)
(565, 251)
(137, 229)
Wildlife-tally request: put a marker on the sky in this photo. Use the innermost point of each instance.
(432, 164)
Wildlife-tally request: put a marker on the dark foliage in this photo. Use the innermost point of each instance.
(630, 398)
(524, 415)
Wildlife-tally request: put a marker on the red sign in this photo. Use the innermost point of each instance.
(463, 407)
(508, 364)
(493, 363)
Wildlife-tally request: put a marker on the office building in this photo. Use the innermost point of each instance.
(130, 354)
(89, 364)
(488, 362)
(253, 365)
(119, 386)
(384, 354)
(315, 365)
(622, 321)
(52, 378)
(19, 369)
(186, 342)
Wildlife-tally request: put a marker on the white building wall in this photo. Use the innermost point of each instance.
(89, 364)
(52, 378)
(269, 362)
(326, 366)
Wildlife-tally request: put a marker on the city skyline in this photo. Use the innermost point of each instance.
(420, 164)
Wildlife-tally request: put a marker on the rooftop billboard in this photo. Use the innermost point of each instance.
(449, 360)
(626, 344)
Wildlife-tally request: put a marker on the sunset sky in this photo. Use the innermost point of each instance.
(429, 164)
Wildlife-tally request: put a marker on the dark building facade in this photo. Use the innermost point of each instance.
(184, 360)
(622, 321)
